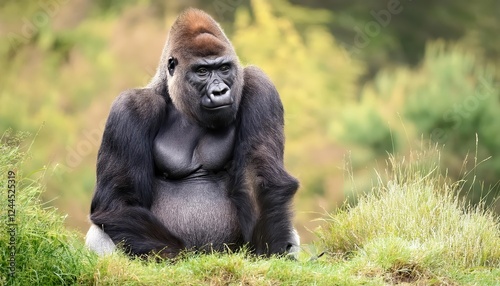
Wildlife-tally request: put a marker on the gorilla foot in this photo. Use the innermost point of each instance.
(98, 241)
(293, 248)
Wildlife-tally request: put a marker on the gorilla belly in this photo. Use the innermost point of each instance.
(198, 211)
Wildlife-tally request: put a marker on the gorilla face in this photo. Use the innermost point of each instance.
(210, 92)
(213, 79)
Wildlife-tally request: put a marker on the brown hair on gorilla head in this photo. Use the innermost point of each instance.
(195, 33)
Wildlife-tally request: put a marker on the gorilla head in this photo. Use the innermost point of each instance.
(203, 75)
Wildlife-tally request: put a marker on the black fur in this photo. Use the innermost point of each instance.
(125, 174)
(259, 148)
(236, 159)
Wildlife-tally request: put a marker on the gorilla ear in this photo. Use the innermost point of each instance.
(172, 62)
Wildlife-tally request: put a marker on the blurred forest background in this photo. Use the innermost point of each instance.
(359, 79)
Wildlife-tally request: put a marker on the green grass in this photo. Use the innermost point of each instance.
(411, 229)
(46, 252)
(414, 227)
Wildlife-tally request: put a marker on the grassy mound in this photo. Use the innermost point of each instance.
(414, 226)
(412, 229)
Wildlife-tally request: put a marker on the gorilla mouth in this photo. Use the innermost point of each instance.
(216, 102)
(217, 107)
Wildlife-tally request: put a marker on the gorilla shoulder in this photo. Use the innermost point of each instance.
(141, 103)
(259, 93)
(257, 82)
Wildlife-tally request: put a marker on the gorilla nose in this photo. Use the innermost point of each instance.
(219, 95)
(218, 89)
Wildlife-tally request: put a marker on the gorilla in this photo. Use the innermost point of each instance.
(194, 160)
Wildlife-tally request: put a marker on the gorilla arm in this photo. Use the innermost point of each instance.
(125, 176)
(263, 188)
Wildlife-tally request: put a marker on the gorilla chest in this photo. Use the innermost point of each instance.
(192, 185)
(182, 149)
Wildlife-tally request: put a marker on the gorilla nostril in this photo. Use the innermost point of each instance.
(220, 92)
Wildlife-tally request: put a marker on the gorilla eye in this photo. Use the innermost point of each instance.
(202, 71)
(224, 68)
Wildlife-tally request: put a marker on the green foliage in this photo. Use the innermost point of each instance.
(449, 99)
(300, 67)
(451, 92)
(362, 125)
(58, 85)
(400, 37)
(452, 98)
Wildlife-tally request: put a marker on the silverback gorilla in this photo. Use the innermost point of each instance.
(195, 159)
